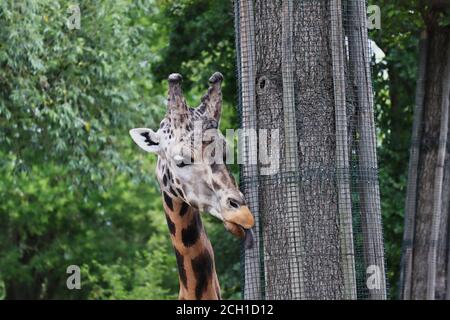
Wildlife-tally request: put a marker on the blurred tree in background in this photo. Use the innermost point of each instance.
(394, 80)
(73, 187)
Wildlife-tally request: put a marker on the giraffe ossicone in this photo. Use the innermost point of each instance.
(194, 178)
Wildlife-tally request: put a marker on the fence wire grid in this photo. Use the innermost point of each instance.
(304, 69)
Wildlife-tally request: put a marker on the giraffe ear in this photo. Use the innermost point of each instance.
(146, 139)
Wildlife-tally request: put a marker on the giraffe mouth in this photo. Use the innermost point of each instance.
(239, 223)
(242, 217)
(241, 233)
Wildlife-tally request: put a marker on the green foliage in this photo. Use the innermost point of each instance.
(66, 94)
(200, 41)
(47, 227)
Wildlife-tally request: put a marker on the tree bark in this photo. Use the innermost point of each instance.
(443, 243)
(312, 204)
(438, 179)
(306, 207)
(269, 105)
(411, 188)
(316, 130)
(424, 237)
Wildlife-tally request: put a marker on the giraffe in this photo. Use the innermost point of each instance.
(193, 178)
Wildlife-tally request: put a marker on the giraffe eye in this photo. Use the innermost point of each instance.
(233, 203)
(182, 164)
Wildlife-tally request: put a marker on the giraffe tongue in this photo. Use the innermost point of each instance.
(249, 239)
(238, 231)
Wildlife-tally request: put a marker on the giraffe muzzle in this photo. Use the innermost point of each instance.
(242, 217)
(239, 223)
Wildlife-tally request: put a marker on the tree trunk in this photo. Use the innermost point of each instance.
(305, 208)
(411, 188)
(438, 179)
(311, 206)
(443, 242)
(316, 129)
(273, 201)
(425, 218)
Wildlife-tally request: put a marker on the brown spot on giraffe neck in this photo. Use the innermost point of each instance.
(202, 265)
(184, 209)
(181, 268)
(191, 234)
(168, 201)
(171, 225)
(193, 251)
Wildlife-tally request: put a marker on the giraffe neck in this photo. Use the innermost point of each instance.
(193, 250)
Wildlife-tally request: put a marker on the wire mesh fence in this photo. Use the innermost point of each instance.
(306, 99)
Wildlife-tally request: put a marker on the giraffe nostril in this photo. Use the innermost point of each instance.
(233, 203)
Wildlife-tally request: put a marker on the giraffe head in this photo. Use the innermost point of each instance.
(191, 157)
